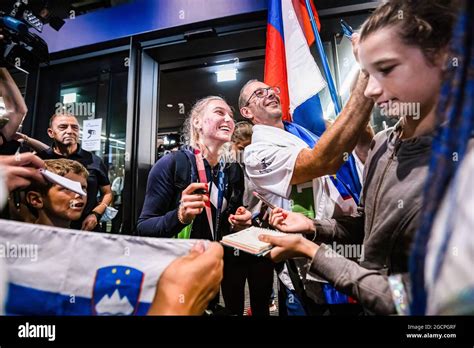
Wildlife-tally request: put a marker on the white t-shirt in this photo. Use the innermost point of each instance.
(270, 161)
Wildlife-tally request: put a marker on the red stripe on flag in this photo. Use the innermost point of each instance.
(303, 18)
(275, 68)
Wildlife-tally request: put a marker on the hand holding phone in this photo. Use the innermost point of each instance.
(264, 201)
(192, 202)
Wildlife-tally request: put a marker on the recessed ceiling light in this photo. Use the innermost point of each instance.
(169, 105)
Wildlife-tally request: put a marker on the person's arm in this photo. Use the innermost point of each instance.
(93, 219)
(33, 143)
(159, 216)
(343, 230)
(369, 287)
(14, 104)
(336, 144)
(363, 144)
(107, 198)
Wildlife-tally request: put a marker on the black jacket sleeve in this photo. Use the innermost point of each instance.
(159, 217)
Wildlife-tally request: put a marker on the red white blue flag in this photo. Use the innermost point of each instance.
(290, 65)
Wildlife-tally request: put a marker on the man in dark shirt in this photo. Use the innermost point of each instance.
(64, 130)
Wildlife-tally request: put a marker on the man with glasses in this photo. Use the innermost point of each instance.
(292, 175)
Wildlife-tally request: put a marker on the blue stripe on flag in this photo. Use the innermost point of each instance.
(310, 116)
(28, 301)
(274, 16)
(348, 175)
(347, 181)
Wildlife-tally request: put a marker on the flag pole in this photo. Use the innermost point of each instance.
(327, 72)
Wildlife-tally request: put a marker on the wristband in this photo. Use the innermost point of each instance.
(97, 215)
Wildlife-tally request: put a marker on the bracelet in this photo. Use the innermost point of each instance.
(180, 218)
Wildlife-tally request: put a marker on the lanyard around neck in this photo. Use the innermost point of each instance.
(203, 179)
(220, 194)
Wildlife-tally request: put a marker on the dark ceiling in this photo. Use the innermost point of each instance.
(62, 8)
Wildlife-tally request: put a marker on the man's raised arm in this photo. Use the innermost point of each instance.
(337, 143)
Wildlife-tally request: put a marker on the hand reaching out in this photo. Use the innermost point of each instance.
(289, 222)
(290, 246)
(21, 169)
(241, 219)
(189, 283)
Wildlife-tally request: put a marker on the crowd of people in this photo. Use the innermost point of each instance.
(401, 197)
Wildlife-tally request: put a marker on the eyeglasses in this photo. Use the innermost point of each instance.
(262, 93)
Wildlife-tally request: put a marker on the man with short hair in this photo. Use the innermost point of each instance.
(291, 167)
(64, 130)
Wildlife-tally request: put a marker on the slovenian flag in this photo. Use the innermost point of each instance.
(53, 271)
(290, 65)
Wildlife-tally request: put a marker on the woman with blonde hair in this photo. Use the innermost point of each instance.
(195, 192)
(207, 129)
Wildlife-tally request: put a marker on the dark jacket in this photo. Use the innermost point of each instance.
(159, 216)
(387, 220)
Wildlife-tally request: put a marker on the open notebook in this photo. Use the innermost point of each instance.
(247, 240)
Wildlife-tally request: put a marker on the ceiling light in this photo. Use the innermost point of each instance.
(169, 105)
(227, 75)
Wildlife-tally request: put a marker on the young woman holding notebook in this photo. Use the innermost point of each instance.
(403, 47)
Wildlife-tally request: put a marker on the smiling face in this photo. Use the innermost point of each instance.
(399, 75)
(261, 110)
(216, 123)
(64, 130)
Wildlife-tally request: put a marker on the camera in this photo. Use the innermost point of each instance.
(21, 48)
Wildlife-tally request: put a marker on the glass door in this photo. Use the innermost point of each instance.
(95, 91)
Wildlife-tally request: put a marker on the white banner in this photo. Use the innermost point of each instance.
(92, 130)
(53, 271)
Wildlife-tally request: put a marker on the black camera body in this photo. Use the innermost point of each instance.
(21, 48)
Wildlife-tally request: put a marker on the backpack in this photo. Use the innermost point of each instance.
(185, 173)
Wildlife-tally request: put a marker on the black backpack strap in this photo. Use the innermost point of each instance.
(235, 184)
(184, 172)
